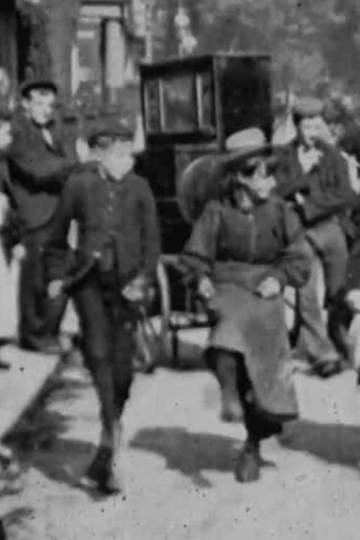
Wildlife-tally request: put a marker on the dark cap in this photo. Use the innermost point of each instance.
(37, 84)
(307, 107)
(104, 131)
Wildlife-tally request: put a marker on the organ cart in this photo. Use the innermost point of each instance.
(189, 108)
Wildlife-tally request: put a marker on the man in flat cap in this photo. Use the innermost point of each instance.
(118, 250)
(39, 164)
(314, 177)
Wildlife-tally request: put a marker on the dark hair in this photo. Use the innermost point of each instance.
(335, 112)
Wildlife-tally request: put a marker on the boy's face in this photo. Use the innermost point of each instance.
(5, 134)
(309, 131)
(40, 106)
(117, 159)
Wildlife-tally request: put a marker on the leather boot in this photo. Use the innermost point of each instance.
(102, 473)
(247, 468)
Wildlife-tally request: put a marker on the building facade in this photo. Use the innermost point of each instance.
(107, 49)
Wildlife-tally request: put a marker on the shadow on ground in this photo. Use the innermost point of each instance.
(39, 440)
(333, 443)
(192, 454)
(188, 453)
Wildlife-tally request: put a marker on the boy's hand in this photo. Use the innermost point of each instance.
(353, 299)
(19, 252)
(83, 150)
(55, 288)
(135, 291)
(269, 288)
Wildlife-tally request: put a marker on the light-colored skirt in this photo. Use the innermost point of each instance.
(256, 328)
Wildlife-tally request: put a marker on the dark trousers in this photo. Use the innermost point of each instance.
(108, 341)
(40, 317)
(229, 366)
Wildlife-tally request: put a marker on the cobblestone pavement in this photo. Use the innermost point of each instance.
(177, 466)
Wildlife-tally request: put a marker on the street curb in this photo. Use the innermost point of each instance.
(21, 385)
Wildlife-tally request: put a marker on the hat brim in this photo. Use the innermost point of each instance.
(44, 84)
(236, 158)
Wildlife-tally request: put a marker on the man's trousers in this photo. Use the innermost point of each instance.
(39, 316)
(329, 252)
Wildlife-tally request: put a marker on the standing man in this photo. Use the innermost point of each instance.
(314, 177)
(39, 166)
(115, 267)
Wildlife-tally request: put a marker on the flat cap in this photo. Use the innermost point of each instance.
(307, 107)
(109, 128)
(37, 84)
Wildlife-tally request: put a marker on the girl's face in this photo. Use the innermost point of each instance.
(118, 160)
(257, 178)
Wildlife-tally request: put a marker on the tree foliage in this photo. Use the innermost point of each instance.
(315, 44)
(34, 52)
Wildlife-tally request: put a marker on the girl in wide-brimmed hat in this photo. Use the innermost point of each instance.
(244, 249)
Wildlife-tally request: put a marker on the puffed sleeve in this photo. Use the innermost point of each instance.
(199, 254)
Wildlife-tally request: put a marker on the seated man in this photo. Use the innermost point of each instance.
(116, 260)
(313, 176)
(243, 251)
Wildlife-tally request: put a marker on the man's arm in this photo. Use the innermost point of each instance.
(335, 198)
(37, 169)
(151, 245)
(293, 267)
(56, 248)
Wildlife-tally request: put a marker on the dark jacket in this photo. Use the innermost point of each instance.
(123, 212)
(326, 188)
(270, 237)
(38, 171)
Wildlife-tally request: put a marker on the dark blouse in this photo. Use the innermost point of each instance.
(270, 235)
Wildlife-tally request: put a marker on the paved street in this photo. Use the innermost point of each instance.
(177, 465)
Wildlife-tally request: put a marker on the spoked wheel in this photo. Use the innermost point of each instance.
(173, 319)
(152, 333)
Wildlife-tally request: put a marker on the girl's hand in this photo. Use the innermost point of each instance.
(269, 288)
(206, 288)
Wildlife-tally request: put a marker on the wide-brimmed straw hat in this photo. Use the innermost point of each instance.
(204, 178)
(246, 144)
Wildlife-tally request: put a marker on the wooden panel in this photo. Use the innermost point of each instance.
(8, 38)
(245, 89)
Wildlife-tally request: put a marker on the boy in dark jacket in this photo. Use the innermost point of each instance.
(116, 260)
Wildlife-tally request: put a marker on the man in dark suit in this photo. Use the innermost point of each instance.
(115, 267)
(39, 166)
(313, 176)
